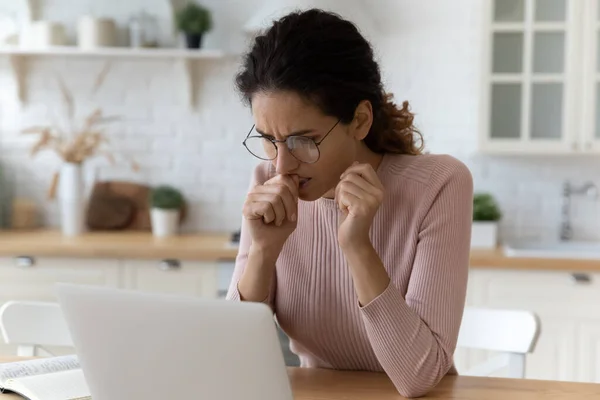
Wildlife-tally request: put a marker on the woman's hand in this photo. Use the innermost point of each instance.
(359, 195)
(271, 210)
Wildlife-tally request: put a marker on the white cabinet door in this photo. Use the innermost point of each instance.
(588, 350)
(569, 314)
(532, 75)
(27, 278)
(591, 78)
(173, 276)
(541, 77)
(33, 278)
(554, 357)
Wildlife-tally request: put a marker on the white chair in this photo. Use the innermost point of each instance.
(512, 333)
(32, 325)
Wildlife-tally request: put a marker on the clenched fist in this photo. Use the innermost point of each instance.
(271, 210)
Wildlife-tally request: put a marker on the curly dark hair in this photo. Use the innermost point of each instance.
(325, 59)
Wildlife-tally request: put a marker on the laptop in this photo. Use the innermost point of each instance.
(135, 345)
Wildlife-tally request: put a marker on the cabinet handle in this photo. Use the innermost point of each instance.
(24, 261)
(581, 278)
(169, 265)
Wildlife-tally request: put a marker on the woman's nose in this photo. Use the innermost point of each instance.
(285, 162)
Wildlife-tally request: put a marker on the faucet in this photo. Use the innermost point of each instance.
(588, 189)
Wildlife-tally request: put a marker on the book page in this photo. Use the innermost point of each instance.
(63, 385)
(18, 369)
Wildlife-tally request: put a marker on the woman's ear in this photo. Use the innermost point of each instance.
(363, 119)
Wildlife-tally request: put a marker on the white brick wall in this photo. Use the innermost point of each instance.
(430, 55)
(199, 151)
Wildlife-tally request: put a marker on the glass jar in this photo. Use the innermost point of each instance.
(143, 30)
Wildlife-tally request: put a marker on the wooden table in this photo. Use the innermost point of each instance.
(330, 385)
(320, 384)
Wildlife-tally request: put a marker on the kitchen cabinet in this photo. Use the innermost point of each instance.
(567, 305)
(33, 278)
(173, 276)
(541, 69)
(591, 77)
(588, 350)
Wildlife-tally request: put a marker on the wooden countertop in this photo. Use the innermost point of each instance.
(213, 247)
(322, 384)
(490, 259)
(131, 245)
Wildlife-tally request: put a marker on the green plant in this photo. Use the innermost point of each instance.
(194, 19)
(166, 197)
(485, 208)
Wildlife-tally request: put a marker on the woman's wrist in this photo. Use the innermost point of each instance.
(255, 282)
(357, 247)
(264, 255)
(368, 273)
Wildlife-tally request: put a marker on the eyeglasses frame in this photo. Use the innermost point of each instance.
(275, 141)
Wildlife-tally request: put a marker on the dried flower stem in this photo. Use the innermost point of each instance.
(83, 145)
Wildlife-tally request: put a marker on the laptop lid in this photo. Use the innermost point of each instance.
(134, 345)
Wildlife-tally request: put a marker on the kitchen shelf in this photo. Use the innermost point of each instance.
(186, 57)
(120, 52)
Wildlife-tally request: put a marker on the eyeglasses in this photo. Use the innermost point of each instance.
(303, 148)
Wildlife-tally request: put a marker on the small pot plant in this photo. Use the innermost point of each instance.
(166, 205)
(194, 21)
(486, 215)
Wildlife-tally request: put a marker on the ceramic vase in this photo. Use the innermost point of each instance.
(71, 199)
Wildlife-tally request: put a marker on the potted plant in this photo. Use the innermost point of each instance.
(486, 214)
(194, 21)
(166, 204)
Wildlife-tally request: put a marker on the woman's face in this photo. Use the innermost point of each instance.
(281, 114)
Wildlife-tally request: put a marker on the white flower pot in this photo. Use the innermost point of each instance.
(484, 235)
(164, 222)
(71, 199)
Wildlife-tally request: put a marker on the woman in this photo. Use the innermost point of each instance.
(357, 241)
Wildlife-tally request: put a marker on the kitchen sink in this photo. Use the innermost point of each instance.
(566, 249)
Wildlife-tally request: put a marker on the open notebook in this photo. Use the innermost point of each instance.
(53, 378)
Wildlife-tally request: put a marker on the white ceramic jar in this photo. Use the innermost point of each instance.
(44, 34)
(94, 32)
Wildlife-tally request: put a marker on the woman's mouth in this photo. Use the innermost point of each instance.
(303, 182)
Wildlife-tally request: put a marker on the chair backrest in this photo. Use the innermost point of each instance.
(32, 325)
(514, 333)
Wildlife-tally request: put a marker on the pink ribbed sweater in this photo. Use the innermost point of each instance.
(422, 234)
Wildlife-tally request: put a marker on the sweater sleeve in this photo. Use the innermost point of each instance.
(241, 259)
(414, 336)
